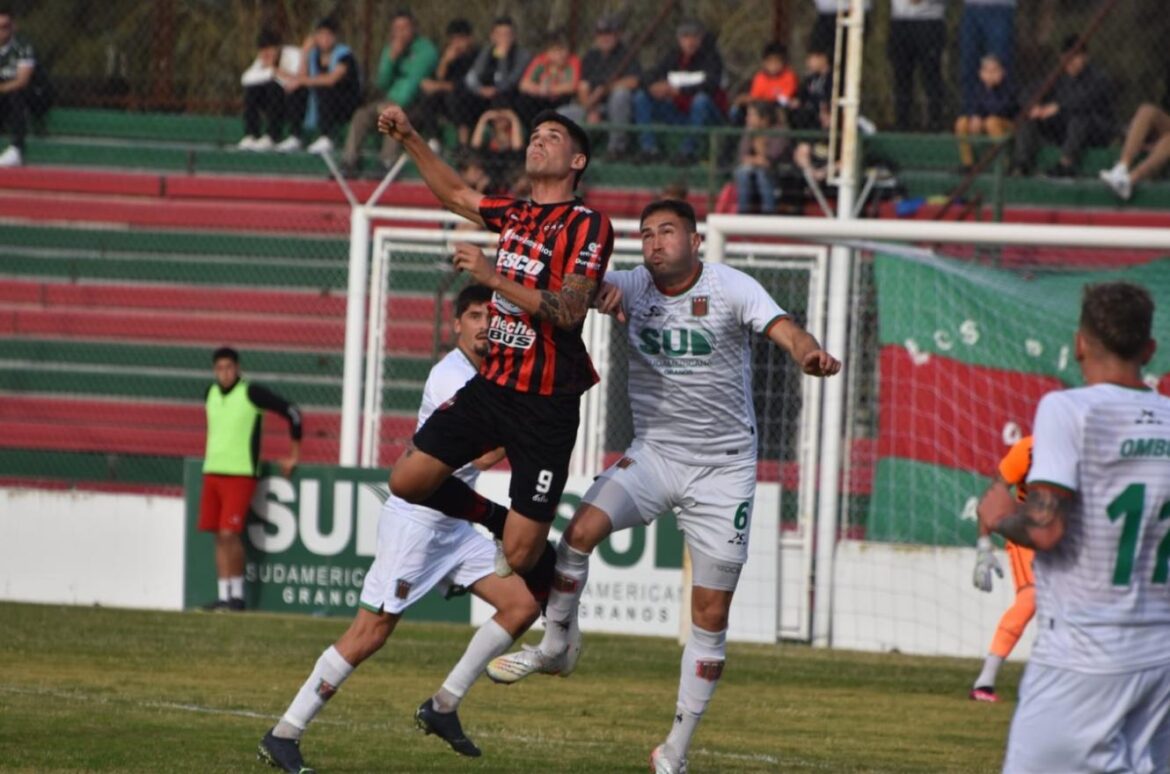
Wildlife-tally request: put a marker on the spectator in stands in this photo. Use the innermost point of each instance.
(327, 90)
(231, 466)
(993, 110)
(264, 95)
(609, 75)
(495, 75)
(774, 82)
(683, 88)
(918, 31)
(676, 189)
(445, 94)
(1150, 129)
(498, 141)
(813, 157)
(824, 31)
(551, 78)
(406, 59)
(17, 63)
(815, 92)
(1076, 113)
(986, 27)
(760, 150)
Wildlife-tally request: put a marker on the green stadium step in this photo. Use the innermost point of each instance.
(91, 466)
(105, 240)
(124, 124)
(180, 386)
(401, 369)
(1085, 191)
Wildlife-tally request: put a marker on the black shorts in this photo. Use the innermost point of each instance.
(537, 432)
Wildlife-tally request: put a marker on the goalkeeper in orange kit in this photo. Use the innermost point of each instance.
(1013, 470)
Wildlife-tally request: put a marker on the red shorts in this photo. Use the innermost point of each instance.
(225, 502)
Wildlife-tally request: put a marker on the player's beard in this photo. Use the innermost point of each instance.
(481, 347)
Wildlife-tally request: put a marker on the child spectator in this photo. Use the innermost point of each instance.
(550, 79)
(498, 140)
(993, 107)
(759, 152)
(816, 89)
(774, 82)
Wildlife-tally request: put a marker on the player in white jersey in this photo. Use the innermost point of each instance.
(694, 448)
(418, 550)
(1096, 693)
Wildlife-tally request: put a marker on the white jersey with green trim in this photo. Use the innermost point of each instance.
(690, 362)
(1103, 594)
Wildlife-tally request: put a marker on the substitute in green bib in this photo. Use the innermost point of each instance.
(231, 465)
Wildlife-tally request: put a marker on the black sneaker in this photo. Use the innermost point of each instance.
(218, 606)
(235, 605)
(283, 754)
(445, 725)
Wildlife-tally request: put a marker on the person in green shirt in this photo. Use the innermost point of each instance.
(406, 60)
(231, 466)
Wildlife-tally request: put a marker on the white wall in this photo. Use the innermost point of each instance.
(88, 548)
(917, 599)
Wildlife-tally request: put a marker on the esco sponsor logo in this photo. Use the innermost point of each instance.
(520, 263)
(511, 333)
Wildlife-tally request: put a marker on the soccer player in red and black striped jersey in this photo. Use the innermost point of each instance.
(551, 256)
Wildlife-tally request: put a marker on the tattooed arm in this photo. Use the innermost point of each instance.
(1038, 522)
(565, 308)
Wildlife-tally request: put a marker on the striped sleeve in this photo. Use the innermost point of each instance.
(494, 211)
(592, 246)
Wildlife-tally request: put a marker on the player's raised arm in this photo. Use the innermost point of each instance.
(446, 184)
(803, 347)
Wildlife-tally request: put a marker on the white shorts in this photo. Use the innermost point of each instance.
(414, 557)
(1070, 722)
(714, 503)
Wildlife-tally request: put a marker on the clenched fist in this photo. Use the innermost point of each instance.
(393, 121)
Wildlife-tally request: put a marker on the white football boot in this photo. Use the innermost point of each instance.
(662, 762)
(514, 667)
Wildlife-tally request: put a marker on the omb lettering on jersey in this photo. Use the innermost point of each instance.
(677, 350)
(516, 334)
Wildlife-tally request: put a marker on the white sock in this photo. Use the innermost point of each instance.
(223, 589)
(490, 640)
(236, 586)
(986, 678)
(569, 581)
(702, 666)
(327, 676)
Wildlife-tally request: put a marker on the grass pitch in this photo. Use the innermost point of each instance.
(88, 689)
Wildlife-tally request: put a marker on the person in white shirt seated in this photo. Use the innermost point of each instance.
(265, 99)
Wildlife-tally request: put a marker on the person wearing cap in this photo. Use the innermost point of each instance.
(1077, 112)
(444, 94)
(325, 92)
(609, 75)
(683, 88)
(406, 59)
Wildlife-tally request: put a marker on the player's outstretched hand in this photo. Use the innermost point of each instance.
(609, 301)
(471, 259)
(820, 363)
(393, 121)
(985, 564)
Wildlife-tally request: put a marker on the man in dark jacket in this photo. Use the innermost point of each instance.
(495, 75)
(683, 88)
(1076, 113)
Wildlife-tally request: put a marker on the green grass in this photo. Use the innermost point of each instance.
(113, 690)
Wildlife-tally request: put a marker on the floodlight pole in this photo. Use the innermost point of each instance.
(836, 338)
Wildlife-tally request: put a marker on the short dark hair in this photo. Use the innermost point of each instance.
(472, 294)
(328, 23)
(580, 139)
(1070, 42)
(503, 21)
(458, 27)
(766, 110)
(403, 13)
(775, 49)
(227, 352)
(680, 208)
(1119, 315)
(267, 38)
